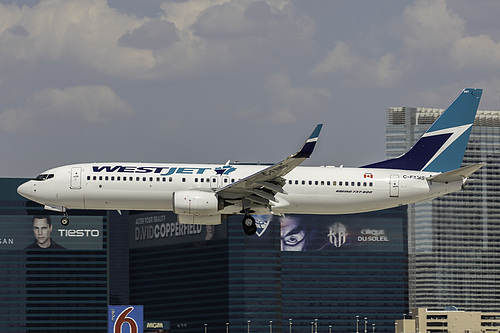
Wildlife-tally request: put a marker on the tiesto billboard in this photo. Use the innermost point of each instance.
(44, 232)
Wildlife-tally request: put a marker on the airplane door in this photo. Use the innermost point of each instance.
(214, 182)
(394, 186)
(76, 179)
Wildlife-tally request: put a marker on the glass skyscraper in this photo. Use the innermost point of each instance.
(53, 289)
(339, 271)
(453, 241)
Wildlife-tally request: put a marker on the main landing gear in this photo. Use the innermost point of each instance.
(249, 226)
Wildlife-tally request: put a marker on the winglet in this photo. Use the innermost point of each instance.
(309, 145)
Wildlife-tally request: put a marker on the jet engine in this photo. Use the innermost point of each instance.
(196, 203)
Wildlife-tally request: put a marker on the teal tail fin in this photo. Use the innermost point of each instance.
(442, 147)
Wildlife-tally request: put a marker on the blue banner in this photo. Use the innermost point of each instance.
(125, 318)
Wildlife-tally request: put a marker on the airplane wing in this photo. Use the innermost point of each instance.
(261, 187)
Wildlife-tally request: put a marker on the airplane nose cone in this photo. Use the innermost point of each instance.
(25, 190)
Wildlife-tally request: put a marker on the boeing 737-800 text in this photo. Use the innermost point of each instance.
(207, 193)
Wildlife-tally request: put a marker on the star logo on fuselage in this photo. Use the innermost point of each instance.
(225, 170)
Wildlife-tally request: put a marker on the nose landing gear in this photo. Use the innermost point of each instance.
(65, 219)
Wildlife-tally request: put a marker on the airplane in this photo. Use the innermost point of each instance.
(206, 194)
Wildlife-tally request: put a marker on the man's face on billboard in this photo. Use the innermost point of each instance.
(42, 230)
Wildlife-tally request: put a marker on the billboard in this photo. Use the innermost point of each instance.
(162, 228)
(125, 318)
(382, 231)
(44, 232)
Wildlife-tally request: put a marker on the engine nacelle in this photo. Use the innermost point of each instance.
(195, 203)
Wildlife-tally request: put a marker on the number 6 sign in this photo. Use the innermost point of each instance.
(125, 318)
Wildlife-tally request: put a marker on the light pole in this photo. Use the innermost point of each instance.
(205, 327)
(315, 325)
(248, 326)
(227, 327)
(373, 325)
(270, 326)
(330, 328)
(365, 324)
(290, 320)
(312, 326)
(357, 324)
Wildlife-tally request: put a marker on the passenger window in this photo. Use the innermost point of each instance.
(310, 182)
(183, 180)
(196, 180)
(296, 182)
(371, 184)
(100, 177)
(164, 179)
(340, 183)
(290, 182)
(352, 183)
(364, 184)
(137, 179)
(322, 182)
(327, 183)
(303, 182)
(170, 179)
(359, 183)
(334, 183)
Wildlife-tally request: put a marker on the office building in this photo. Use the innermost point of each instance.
(51, 290)
(337, 272)
(454, 243)
(449, 320)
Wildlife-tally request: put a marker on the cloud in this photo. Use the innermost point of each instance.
(237, 19)
(188, 39)
(345, 63)
(428, 40)
(154, 34)
(473, 52)
(88, 103)
(430, 25)
(289, 101)
(85, 32)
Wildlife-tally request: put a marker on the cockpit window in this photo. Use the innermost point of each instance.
(44, 176)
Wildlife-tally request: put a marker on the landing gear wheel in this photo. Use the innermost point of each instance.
(65, 221)
(249, 226)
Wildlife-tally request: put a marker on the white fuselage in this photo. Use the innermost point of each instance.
(308, 190)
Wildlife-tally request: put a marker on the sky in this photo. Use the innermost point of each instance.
(206, 81)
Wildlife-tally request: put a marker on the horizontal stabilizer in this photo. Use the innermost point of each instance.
(456, 175)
